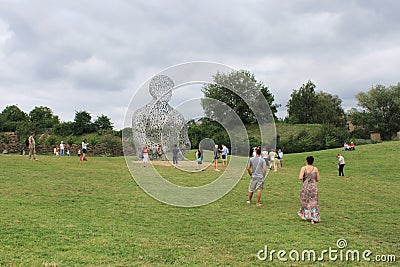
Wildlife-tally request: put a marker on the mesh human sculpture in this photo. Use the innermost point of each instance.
(158, 123)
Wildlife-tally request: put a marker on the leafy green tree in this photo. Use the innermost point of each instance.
(359, 133)
(332, 136)
(23, 130)
(240, 83)
(11, 117)
(111, 143)
(306, 106)
(83, 123)
(328, 110)
(52, 140)
(301, 104)
(43, 118)
(93, 141)
(103, 123)
(379, 110)
(206, 128)
(64, 128)
(327, 136)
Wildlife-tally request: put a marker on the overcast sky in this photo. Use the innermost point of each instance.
(94, 55)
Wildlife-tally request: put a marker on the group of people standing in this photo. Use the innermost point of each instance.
(223, 153)
(257, 169)
(309, 210)
(158, 152)
(64, 149)
(176, 153)
(273, 158)
(61, 150)
(309, 175)
(58, 151)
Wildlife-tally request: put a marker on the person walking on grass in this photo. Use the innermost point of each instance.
(32, 147)
(341, 164)
(257, 169)
(309, 192)
(271, 156)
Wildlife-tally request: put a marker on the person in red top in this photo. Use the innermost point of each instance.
(352, 146)
(145, 153)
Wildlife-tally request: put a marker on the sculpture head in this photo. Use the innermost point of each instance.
(160, 88)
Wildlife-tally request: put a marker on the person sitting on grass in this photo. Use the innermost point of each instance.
(352, 146)
(345, 147)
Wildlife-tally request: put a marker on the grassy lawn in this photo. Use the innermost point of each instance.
(62, 212)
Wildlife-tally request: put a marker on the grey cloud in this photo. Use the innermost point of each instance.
(106, 50)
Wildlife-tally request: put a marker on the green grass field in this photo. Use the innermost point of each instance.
(62, 212)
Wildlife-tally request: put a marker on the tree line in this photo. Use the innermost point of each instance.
(42, 120)
(378, 110)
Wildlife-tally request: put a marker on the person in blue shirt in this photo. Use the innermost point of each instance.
(224, 154)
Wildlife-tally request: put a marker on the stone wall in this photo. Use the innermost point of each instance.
(9, 141)
(376, 136)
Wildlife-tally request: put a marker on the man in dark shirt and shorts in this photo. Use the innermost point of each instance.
(257, 169)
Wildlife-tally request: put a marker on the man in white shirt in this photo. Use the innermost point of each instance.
(62, 148)
(224, 155)
(265, 156)
(341, 164)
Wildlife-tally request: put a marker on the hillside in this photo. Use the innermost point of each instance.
(291, 138)
(294, 138)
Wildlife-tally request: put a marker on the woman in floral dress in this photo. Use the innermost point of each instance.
(309, 192)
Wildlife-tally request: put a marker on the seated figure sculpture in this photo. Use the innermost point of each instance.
(158, 123)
